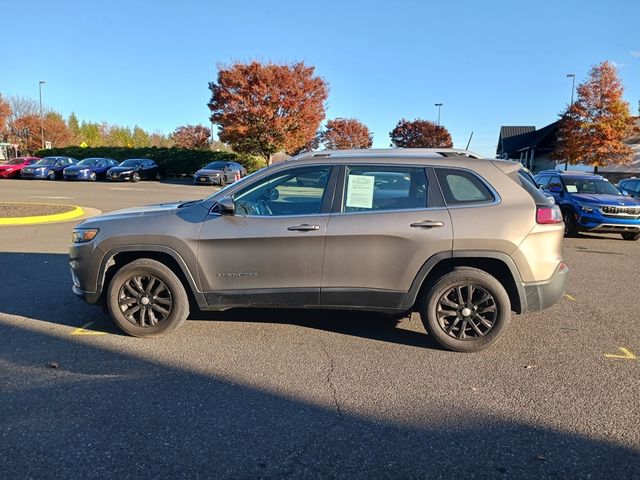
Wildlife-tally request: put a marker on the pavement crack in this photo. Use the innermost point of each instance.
(329, 378)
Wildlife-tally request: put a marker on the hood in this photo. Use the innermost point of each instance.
(134, 212)
(79, 168)
(124, 169)
(613, 200)
(205, 171)
(11, 167)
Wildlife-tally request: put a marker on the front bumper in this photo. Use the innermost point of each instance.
(120, 177)
(598, 223)
(77, 176)
(207, 180)
(84, 263)
(34, 175)
(541, 295)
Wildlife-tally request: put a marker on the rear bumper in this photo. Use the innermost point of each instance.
(541, 295)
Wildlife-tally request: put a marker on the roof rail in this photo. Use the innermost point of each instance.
(390, 152)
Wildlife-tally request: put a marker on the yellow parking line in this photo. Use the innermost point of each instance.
(626, 354)
(570, 297)
(56, 217)
(83, 330)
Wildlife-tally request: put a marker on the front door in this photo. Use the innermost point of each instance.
(387, 225)
(270, 251)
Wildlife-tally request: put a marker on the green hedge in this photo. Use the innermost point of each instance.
(172, 161)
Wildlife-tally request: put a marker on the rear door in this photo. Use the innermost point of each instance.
(386, 222)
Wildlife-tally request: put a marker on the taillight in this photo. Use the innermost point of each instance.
(550, 214)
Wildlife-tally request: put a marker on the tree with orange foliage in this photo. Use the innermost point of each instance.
(346, 133)
(266, 108)
(194, 137)
(420, 134)
(25, 132)
(592, 130)
(5, 113)
(56, 130)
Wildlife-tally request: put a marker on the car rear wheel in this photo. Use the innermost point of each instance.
(146, 299)
(51, 175)
(466, 310)
(631, 235)
(570, 226)
(135, 177)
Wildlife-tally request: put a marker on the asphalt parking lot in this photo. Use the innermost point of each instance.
(274, 394)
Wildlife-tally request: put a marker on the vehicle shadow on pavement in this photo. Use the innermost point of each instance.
(103, 413)
(40, 288)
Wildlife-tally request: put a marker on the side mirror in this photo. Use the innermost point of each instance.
(226, 206)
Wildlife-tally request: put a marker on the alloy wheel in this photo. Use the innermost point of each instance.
(467, 311)
(145, 300)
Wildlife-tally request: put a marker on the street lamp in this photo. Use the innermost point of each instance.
(41, 117)
(572, 76)
(439, 105)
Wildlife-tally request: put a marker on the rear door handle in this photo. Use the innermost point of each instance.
(427, 224)
(304, 227)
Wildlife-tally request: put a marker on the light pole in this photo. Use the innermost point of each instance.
(572, 76)
(41, 117)
(439, 105)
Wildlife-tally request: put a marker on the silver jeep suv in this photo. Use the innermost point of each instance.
(461, 239)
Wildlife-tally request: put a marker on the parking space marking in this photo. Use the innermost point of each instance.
(626, 354)
(83, 330)
(570, 297)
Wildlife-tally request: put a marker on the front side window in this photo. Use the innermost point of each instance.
(298, 191)
(375, 188)
(543, 181)
(461, 187)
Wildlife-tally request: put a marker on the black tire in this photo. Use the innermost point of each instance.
(135, 177)
(631, 236)
(167, 301)
(93, 177)
(570, 226)
(157, 176)
(51, 175)
(223, 181)
(485, 320)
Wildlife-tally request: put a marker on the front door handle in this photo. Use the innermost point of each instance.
(304, 227)
(427, 224)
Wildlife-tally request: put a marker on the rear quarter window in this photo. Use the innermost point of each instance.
(524, 180)
(461, 187)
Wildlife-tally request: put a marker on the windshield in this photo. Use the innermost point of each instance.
(597, 186)
(47, 161)
(131, 163)
(16, 161)
(88, 162)
(215, 166)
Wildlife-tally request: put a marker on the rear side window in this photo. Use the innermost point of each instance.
(524, 180)
(384, 188)
(461, 187)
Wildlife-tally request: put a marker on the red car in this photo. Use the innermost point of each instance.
(12, 168)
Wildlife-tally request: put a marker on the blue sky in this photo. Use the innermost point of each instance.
(491, 63)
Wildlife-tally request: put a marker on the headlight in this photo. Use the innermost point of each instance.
(215, 175)
(84, 235)
(587, 207)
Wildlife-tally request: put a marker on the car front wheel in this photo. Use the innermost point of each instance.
(466, 310)
(631, 235)
(146, 299)
(51, 175)
(135, 177)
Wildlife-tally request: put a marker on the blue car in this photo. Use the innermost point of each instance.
(48, 168)
(89, 169)
(589, 203)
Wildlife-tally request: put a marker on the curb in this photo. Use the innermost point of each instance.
(56, 217)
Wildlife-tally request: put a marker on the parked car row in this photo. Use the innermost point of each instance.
(133, 170)
(90, 169)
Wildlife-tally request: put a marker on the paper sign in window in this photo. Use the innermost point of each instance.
(360, 191)
(572, 189)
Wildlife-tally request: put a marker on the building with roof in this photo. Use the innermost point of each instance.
(533, 149)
